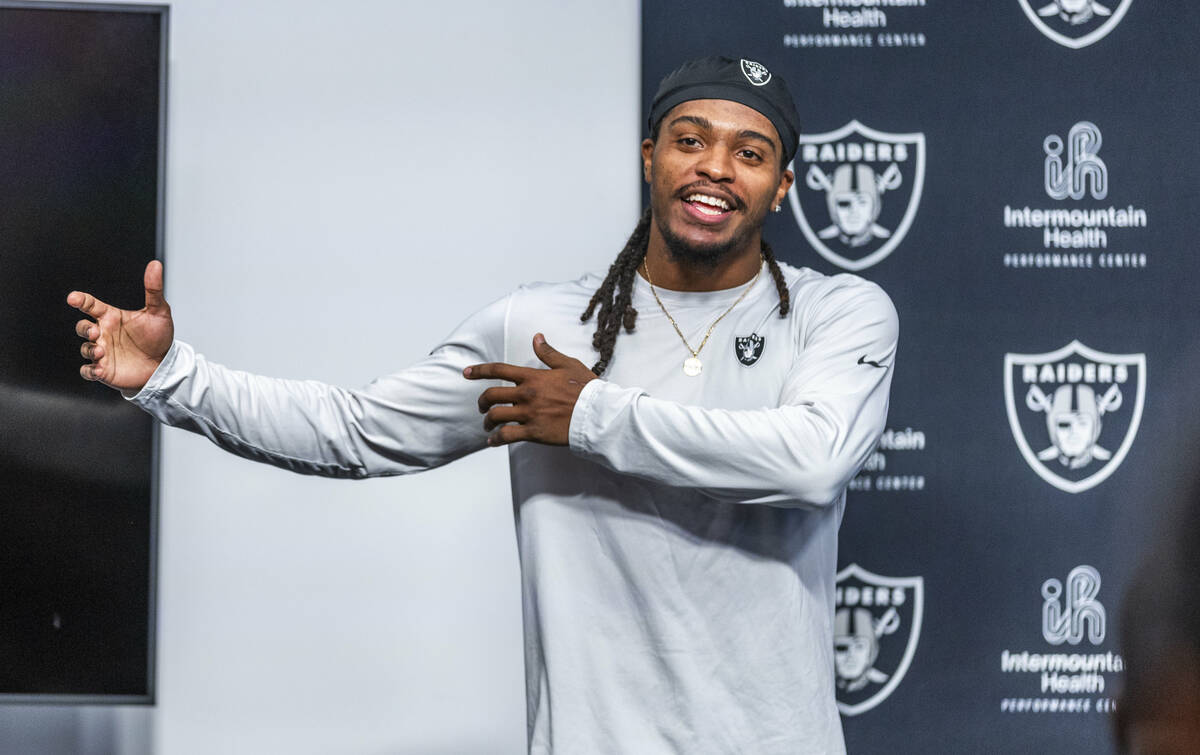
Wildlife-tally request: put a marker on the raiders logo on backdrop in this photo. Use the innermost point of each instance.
(1075, 23)
(857, 192)
(748, 348)
(756, 73)
(1074, 412)
(876, 627)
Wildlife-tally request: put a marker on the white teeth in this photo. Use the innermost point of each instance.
(711, 201)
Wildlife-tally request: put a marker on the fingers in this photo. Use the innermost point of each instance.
(152, 280)
(87, 303)
(89, 372)
(91, 350)
(497, 371)
(509, 434)
(87, 329)
(550, 356)
(499, 415)
(497, 395)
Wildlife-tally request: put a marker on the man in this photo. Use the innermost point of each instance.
(677, 504)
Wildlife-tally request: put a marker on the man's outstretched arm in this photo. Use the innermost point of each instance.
(415, 419)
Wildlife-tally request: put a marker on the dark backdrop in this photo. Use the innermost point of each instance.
(1019, 557)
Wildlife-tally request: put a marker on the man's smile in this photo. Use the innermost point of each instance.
(709, 206)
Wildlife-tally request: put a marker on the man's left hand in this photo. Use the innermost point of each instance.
(539, 406)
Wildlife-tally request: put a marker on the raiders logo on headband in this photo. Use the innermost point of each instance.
(756, 73)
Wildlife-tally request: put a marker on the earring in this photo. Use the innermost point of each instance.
(777, 208)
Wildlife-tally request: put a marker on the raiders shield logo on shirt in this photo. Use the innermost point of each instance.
(748, 348)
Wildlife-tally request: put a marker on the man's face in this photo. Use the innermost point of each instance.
(714, 173)
(855, 212)
(1074, 432)
(851, 655)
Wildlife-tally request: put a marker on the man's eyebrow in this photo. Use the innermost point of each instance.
(693, 119)
(706, 124)
(751, 134)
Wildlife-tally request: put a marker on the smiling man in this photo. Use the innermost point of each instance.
(677, 503)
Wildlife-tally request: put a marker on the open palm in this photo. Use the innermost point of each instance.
(124, 346)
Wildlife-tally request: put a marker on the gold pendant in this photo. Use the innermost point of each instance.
(692, 367)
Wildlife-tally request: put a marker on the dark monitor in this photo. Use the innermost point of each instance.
(82, 126)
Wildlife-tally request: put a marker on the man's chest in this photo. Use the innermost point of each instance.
(744, 357)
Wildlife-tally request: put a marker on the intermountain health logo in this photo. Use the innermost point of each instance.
(1075, 23)
(1072, 671)
(876, 628)
(855, 24)
(1069, 616)
(1081, 227)
(857, 192)
(1074, 412)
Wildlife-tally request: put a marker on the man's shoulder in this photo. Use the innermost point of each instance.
(585, 284)
(809, 288)
(554, 296)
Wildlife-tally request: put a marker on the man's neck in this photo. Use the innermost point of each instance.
(670, 272)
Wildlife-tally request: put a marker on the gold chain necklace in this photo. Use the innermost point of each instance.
(692, 366)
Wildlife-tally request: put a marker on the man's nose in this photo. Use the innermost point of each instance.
(715, 165)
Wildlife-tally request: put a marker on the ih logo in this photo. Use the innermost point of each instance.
(1069, 409)
(1071, 616)
(1074, 23)
(875, 633)
(1080, 169)
(859, 188)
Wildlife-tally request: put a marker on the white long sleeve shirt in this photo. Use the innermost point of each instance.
(678, 557)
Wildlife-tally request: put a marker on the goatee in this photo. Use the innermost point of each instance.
(705, 255)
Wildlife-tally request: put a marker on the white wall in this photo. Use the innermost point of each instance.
(346, 182)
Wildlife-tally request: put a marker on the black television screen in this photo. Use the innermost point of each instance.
(82, 125)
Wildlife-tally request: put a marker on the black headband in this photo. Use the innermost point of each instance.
(742, 81)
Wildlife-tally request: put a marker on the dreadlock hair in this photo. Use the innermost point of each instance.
(614, 298)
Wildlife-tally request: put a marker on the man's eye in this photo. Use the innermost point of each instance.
(689, 141)
(750, 154)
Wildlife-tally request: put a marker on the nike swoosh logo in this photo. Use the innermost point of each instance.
(863, 360)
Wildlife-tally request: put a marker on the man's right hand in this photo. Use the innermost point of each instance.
(125, 347)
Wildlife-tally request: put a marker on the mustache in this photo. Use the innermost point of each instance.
(703, 187)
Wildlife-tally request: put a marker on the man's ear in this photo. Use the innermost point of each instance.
(785, 183)
(647, 158)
